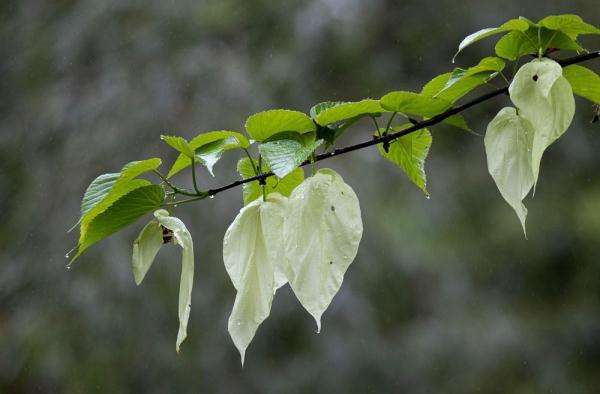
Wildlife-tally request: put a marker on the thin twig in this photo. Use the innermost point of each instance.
(194, 176)
(418, 126)
(176, 189)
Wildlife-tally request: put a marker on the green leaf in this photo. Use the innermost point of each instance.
(584, 82)
(513, 24)
(97, 190)
(265, 124)
(490, 63)
(515, 45)
(414, 103)
(322, 232)
(545, 98)
(212, 136)
(253, 190)
(135, 169)
(458, 121)
(571, 25)
(409, 153)
(283, 156)
(508, 143)
(460, 81)
(179, 144)
(332, 131)
(253, 253)
(99, 201)
(316, 109)
(208, 148)
(181, 237)
(346, 111)
(140, 198)
(107, 190)
(437, 88)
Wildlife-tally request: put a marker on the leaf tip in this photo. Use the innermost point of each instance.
(318, 321)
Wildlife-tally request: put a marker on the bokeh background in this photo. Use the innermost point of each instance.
(445, 294)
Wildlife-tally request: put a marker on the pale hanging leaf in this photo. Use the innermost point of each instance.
(265, 124)
(179, 144)
(253, 190)
(508, 143)
(145, 248)
(513, 24)
(321, 233)
(252, 251)
(414, 103)
(283, 156)
(208, 148)
(545, 98)
(534, 78)
(409, 153)
(584, 82)
(182, 237)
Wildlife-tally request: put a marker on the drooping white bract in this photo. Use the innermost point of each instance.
(321, 232)
(545, 98)
(145, 248)
(253, 254)
(508, 141)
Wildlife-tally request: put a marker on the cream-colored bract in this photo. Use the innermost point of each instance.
(253, 253)
(508, 141)
(322, 231)
(146, 247)
(545, 98)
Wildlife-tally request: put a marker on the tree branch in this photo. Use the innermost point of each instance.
(418, 126)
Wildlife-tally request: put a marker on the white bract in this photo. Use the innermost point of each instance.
(253, 254)
(545, 98)
(322, 231)
(145, 248)
(508, 141)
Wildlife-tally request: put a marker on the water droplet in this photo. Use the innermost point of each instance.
(238, 323)
(175, 206)
(302, 196)
(67, 256)
(68, 267)
(345, 257)
(211, 196)
(428, 197)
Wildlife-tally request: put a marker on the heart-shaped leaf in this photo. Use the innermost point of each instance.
(321, 233)
(508, 143)
(253, 253)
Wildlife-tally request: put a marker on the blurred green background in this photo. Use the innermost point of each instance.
(445, 294)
